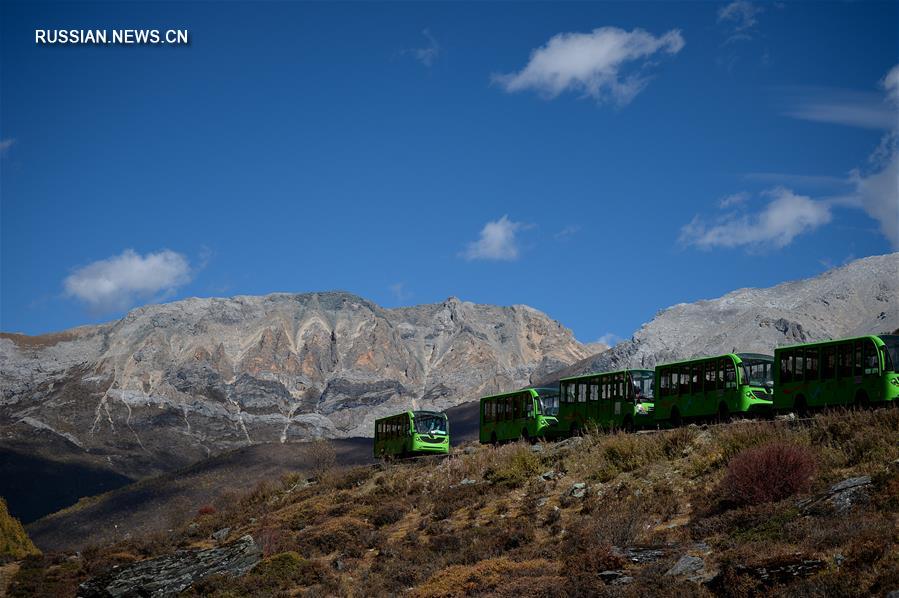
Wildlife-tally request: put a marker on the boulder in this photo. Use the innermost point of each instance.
(174, 573)
(839, 498)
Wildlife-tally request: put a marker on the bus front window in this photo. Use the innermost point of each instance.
(643, 385)
(430, 424)
(758, 372)
(548, 401)
(891, 355)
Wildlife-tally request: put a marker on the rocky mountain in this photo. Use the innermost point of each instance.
(170, 384)
(859, 298)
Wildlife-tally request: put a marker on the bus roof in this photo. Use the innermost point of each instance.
(427, 412)
(874, 337)
(513, 392)
(734, 356)
(755, 356)
(406, 413)
(594, 374)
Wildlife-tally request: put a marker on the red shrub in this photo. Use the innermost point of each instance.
(768, 473)
(206, 510)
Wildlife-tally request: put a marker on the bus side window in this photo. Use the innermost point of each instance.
(594, 389)
(845, 360)
(581, 392)
(811, 364)
(871, 362)
(829, 362)
(663, 383)
(786, 370)
(857, 362)
(730, 373)
(799, 365)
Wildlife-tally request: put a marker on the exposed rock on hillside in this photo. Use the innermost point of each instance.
(859, 298)
(169, 575)
(170, 384)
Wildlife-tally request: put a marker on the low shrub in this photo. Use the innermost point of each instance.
(206, 510)
(768, 473)
(513, 466)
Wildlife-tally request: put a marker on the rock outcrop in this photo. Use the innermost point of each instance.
(171, 574)
(859, 298)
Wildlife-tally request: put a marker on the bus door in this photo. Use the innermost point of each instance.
(593, 403)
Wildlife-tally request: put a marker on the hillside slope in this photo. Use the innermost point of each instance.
(746, 509)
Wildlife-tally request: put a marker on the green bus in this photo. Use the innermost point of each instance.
(608, 400)
(412, 433)
(529, 414)
(714, 386)
(852, 371)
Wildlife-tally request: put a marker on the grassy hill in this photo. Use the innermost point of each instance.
(14, 542)
(741, 509)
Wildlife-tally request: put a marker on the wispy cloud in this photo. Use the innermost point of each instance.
(593, 64)
(498, 241)
(861, 109)
(5, 144)
(785, 217)
(568, 232)
(118, 282)
(740, 17)
(798, 180)
(428, 54)
(399, 291)
(734, 199)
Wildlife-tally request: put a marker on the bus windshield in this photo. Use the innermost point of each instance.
(891, 357)
(548, 402)
(758, 371)
(643, 385)
(430, 423)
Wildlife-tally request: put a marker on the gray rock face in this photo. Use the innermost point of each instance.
(841, 497)
(169, 575)
(170, 384)
(859, 298)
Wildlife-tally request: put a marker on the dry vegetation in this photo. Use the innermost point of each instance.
(510, 521)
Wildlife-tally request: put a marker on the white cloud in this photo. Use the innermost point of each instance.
(785, 217)
(609, 339)
(116, 283)
(741, 15)
(890, 83)
(429, 54)
(498, 241)
(735, 199)
(591, 63)
(5, 144)
(878, 194)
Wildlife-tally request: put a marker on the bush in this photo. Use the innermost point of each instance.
(768, 473)
(206, 510)
(513, 465)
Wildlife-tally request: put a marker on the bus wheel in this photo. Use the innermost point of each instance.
(676, 419)
(493, 439)
(861, 400)
(800, 407)
(723, 414)
(628, 425)
(527, 437)
(575, 430)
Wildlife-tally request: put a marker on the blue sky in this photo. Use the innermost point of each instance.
(596, 161)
